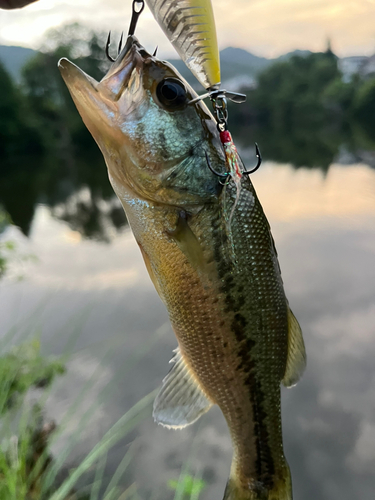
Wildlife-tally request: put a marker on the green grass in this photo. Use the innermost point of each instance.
(28, 470)
(23, 368)
(187, 486)
(24, 434)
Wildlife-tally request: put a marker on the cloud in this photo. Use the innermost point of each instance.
(268, 27)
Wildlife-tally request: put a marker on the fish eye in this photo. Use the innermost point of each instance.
(171, 93)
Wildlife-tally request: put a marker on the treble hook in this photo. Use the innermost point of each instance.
(137, 11)
(108, 44)
(259, 156)
(120, 44)
(246, 172)
(222, 176)
(135, 16)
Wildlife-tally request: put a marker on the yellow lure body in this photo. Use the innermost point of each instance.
(190, 27)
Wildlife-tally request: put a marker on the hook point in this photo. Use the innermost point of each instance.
(259, 156)
(120, 44)
(222, 176)
(108, 44)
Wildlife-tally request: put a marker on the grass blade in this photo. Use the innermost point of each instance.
(119, 430)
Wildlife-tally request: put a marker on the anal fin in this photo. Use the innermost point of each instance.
(180, 401)
(296, 359)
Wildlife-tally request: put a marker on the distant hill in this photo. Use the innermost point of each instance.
(237, 64)
(239, 67)
(299, 53)
(13, 58)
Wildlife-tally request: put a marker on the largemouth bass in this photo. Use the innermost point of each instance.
(238, 339)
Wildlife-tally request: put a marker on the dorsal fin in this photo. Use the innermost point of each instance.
(180, 401)
(296, 359)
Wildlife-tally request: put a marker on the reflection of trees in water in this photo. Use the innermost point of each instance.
(18, 189)
(32, 180)
(309, 147)
(301, 148)
(92, 217)
(40, 179)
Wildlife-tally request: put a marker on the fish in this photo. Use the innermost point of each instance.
(238, 340)
(190, 27)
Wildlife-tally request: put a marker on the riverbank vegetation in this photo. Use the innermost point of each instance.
(30, 470)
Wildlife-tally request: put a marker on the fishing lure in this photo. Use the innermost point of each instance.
(190, 27)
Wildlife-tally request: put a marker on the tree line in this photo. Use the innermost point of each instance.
(309, 90)
(303, 111)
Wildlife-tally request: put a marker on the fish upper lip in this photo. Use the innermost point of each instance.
(131, 56)
(131, 41)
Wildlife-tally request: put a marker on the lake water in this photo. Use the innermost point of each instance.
(93, 297)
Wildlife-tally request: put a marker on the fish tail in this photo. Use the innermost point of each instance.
(279, 489)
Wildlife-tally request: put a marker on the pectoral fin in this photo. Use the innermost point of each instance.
(180, 401)
(150, 270)
(296, 360)
(187, 242)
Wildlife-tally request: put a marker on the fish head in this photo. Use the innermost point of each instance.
(154, 142)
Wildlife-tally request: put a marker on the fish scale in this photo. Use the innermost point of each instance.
(220, 282)
(203, 344)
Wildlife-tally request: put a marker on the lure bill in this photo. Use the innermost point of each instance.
(190, 26)
(237, 337)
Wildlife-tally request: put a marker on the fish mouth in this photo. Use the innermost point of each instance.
(99, 103)
(118, 74)
(121, 68)
(132, 55)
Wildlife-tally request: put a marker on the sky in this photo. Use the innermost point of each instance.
(264, 27)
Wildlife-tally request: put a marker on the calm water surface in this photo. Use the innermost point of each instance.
(96, 300)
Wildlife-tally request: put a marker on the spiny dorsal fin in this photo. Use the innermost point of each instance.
(180, 401)
(296, 360)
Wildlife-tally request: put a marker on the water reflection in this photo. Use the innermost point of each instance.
(91, 216)
(80, 193)
(323, 224)
(313, 147)
(77, 189)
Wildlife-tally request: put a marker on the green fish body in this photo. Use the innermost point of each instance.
(221, 283)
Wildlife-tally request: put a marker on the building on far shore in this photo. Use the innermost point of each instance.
(357, 65)
(369, 67)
